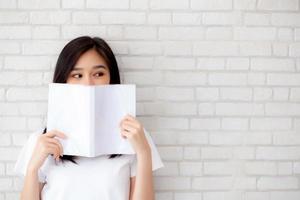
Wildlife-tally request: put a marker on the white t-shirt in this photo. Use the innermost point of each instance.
(93, 178)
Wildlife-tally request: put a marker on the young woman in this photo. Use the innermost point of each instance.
(50, 175)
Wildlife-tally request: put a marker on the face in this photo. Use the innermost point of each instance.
(90, 69)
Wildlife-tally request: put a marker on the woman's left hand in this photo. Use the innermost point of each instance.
(133, 130)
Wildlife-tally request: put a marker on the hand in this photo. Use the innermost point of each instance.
(46, 144)
(133, 130)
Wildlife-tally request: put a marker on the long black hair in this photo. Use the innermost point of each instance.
(69, 57)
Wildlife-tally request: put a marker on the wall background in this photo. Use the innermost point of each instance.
(218, 87)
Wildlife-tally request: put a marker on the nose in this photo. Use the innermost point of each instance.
(88, 81)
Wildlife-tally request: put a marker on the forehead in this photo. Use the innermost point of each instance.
(90, 60)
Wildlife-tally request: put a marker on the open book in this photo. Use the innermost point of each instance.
(90, 115)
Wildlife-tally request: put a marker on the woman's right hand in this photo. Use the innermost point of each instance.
(46, 144)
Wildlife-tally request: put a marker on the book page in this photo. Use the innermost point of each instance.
(90, 116)
(68, 112)
(113, 103)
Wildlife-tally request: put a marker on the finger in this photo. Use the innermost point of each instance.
(53, 149)
(125, 134)
(130, 123)
(54, 133)
(129, 117)
(123, 120)
(127, 127)
(56, 142)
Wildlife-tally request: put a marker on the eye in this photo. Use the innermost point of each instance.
(99, 74)
(76, 75)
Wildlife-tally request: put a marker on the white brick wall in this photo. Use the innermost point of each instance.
(218, 87)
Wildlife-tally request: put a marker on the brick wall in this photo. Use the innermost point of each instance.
(218, 87)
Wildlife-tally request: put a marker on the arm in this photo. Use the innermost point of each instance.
(142, 184)
(132, 185)
(45, 145)
(32, 187)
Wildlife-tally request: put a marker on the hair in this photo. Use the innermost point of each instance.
(69, 57)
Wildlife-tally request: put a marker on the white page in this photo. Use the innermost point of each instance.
(77, 110)
(109, 124)
(66, 113)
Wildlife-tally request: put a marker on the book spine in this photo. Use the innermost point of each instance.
(92, 121)
(134, 100)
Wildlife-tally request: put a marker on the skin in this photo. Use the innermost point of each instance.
(91, 69)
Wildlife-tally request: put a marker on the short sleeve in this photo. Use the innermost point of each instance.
(24, 157)
(156, 159)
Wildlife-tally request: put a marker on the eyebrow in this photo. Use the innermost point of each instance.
(95, 67)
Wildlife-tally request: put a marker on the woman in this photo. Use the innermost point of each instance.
(50, 175)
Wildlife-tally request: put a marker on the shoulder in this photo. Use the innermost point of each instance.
(26, 152)
(34, 136)
(31, 140)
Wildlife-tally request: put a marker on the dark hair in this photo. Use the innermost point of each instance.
(69, 57)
